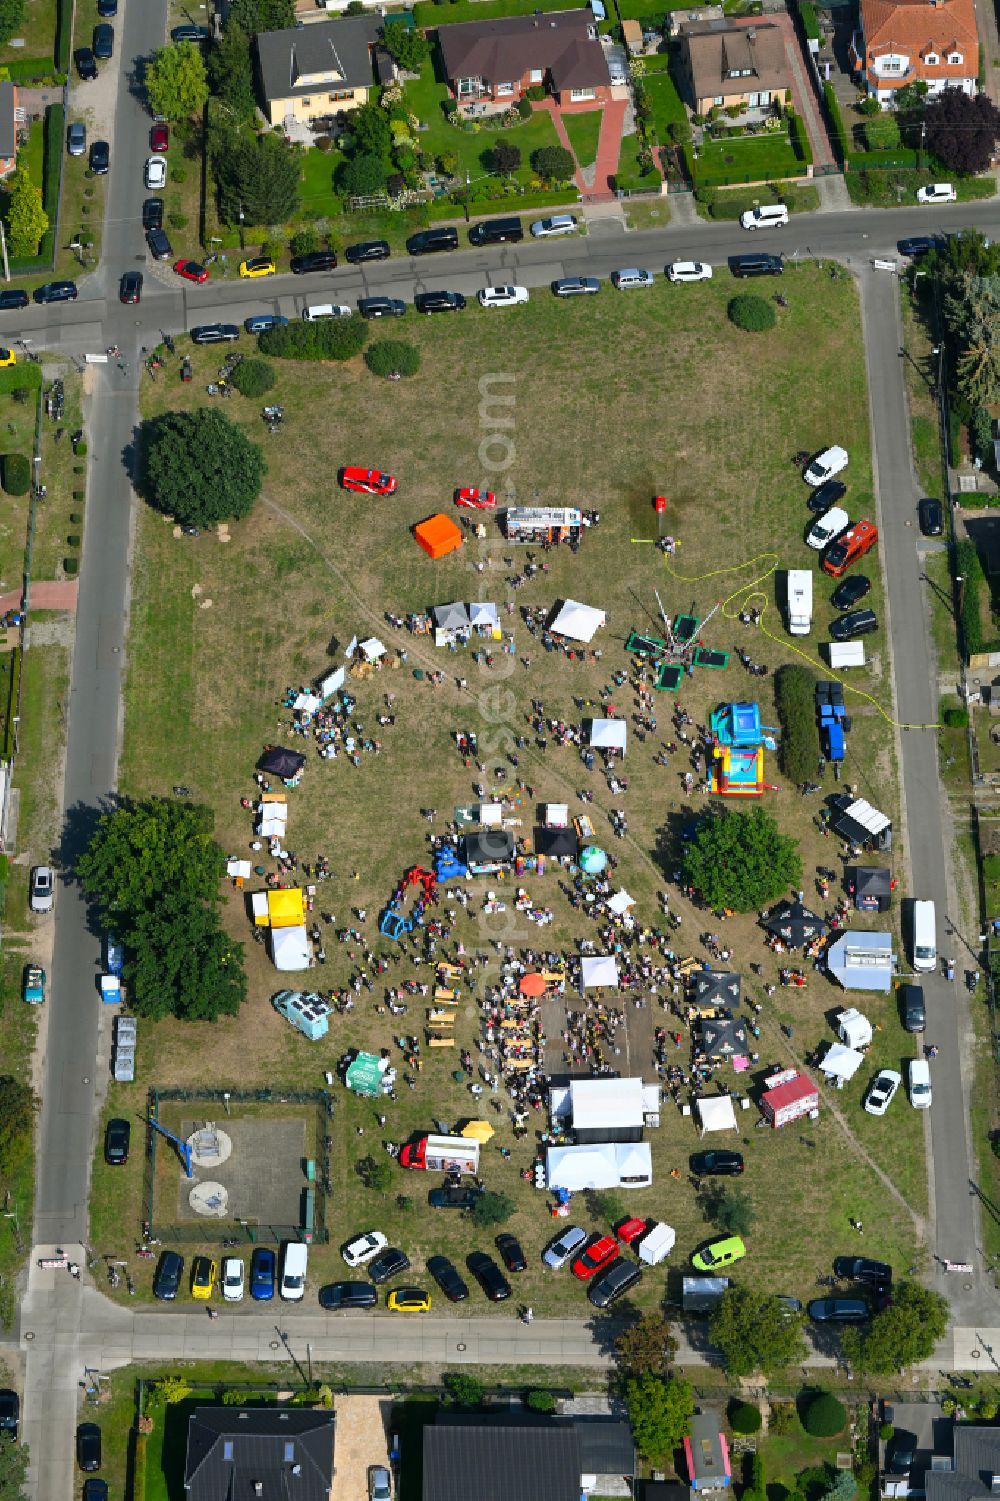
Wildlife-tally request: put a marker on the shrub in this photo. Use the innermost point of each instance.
(178, 175)
(73, 540)
(70, 566)
(253, 377)
(15, 473)
(75, 518)
(886, 1432)
(881, 133)
(744, 1417)
(810, 24)
(389, 355)
(464, 1389)
(329, 339)
(751, 313)
(799, 138)
(955, 716)
(176, 220)
(79, 494)
(304, 242)
(986, 1410)
(784, 1420)
(794, 693)
(541, 1402)
(492, 1209)
(81, 448)
(824, 1416)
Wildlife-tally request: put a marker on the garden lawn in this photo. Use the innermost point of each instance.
(890, 188)
(665, 102)
(426, 96)
(318, 196)
(628, 176)
(745, 159)
(429, 15)
(38, 32)
(584, 130)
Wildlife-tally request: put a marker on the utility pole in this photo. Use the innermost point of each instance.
(3, 248)
(242, 246)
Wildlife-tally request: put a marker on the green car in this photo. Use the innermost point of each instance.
(719, 1253)
(34, 984)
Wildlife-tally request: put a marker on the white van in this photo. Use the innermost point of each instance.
(631, 276)
(924, 936)
(294, 1262)
(800, 600)
(325, 310)
(765, 216)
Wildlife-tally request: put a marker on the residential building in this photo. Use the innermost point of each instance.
(261, 1453)
(309, 72)
(522, 1456)
(707, 1453)
(10, 115)
(973, 1470)
(497, 61)
(916, 41)
(729, 66)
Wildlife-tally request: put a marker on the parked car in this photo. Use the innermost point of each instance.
(100, 158)
(11, 299)
(56, 291)
(901, 1453)
(130, 287)
(159, 244)
(850, 591)
(261, 266)
(838, 1311)
(576, 286)
(863, 1268)
(856, 623)
(912, 1008)
(154, 174)
(316, 260)
(489, 1276)
(214, 333)
(103, 43)
(10, 1412)
(367, 250)
(191, 271)
(88, 1446)
(439, 302)
(259, 323)
(613, 1282)
(719, 1253)
(33, 985)
(447, 1277)
(159, 136)
(389, 1264)
(368, 481)
(598, 1254)
(716, 1164)
(829, 526)
(86, 64)
(233, 1279)
(408, 1300)
(756, 263)
(167, 1280)
(364, 1248)
(825, 465)
(825, 496)
(336, 1297)
(95, 1489)
(559, 1250)
(937, 192)
(152, 213)
(381, 307)
(42, 889)
(107, 8)
(294, 1265)
(627, 277)
(920, 1083)
(882, 1091)
(918, 245)
(510, 1252)
(379, 1483)
(427, 241)
(190, 33)
(117, 1139)
(631, 1230)
(678, 271)
(76, 138)
(452, 1196)
(475, 499)
(556, 224)
(849, 548)
(931, 517)
(263, 1267)
(204, 1272)
(503, 296)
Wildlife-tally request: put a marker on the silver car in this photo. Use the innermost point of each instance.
(41, 889)
(575, 286)
(76, 138)
(558, 1251)
(558, 224)
(379, 1483)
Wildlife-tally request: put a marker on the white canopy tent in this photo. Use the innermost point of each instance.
(491, 815)
(605, 1103)
(372, 649)
(853, 1028)
(484, 617)
(841, 1063)
(626, 1164)
(328, 686)
(620, 903)
(608, 734)
(576, 621)
(272, 820)
(555, 815)
(716, 1113)
(290, 948)
(599, 970)
(306, 703)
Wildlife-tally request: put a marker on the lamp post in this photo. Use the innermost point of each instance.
(242, 246)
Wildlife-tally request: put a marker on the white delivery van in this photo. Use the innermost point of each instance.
(846, 653)
(294, 1263)
(765, 216)
(325, 310)
(800, 600)
(924, 936)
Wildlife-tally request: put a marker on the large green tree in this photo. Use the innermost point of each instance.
(261, 15)
(27, 220)
(553, 163)
(741, 860)
(11, 16)
(646, 1345)
(902, 1334)
(257, 175)
(362, 174)
(756, 1332)
(660, 1410)
(201, 468)
(406, 45)
(183, 963)
(370, 131)
(176, 82)
(148, 847)
(230, 72)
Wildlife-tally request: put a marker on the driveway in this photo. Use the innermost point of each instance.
(361, 1441)
(932, 1430)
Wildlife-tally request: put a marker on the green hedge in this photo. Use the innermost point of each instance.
(835, 120)
(64, 34)
(16, 663)
(971, 591)
(810, 22)
(15, 473)
(330, 339)
(795, 700)
(800, 138)
(20, 378)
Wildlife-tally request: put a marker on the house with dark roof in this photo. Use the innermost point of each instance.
(259, 1454)
(9, 115)
(727, 65)
(308, 72)
(498, 61)
(974, 1471)
(523, 1456)
(897, 42)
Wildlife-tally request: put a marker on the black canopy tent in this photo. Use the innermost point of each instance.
(716, 987)
(871, 888)
(557, 843)
(278, 761)
(795, 924)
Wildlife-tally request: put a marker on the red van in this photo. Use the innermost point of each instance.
(849, 547)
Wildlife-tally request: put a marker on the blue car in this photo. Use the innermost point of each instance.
(262, 1272)
(261, 322)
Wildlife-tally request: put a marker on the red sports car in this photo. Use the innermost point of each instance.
(159, 137)
(476, 500)
(191, 270)
(368, 481)
(630, 1230)
(595, 1256)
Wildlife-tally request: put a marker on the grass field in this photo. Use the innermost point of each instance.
(584, 131)
(219, 631)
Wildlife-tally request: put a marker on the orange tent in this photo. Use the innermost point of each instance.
(532, 985)
(438, 535)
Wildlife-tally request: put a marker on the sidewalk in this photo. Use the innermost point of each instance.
(57, 594)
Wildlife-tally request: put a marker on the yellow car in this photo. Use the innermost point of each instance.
(409, 1300)
(203, 1274)
(260, 267)
(7, 357)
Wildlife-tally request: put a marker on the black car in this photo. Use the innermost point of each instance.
(214, 333)
(368, 250)
(446, 1276)
(107, 8)
(95, 1489)
(190, 33)
(825, 496)
(452, 1196)
(850, 591)
(169, 1271)
(130, 287)
(439, 302)
(613, 1282)
(56, 291)
(381, 307)
(88, 1446)
(756, 263)
(510, 1252)
(389, 1264)
(10, 1412)
(716, 1164)
(12, 299)
(316, 260)
(104, 41)
(489, 1276)
(912, 1010)
(86, 67)
(429, 240)
(931, 517)
(863, 1269)
(854, 623)
(337, 1295)
(838, 1311)
(916, 245)
(100, 158)
(901, 1453)
(152, 213)
(159, 244)
(118, 1132)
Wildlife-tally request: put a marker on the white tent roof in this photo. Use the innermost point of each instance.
(602, 1165)
(716, 1113)
(578, 622)
(290, 948)
(556, 815)
(606, 1103)
(609, 734)
(620, 903)
(854, 1028)
(599, 969)
(306, 703)
(841, 1062)
(657, 1243)
(328, 686)
(273, 819)
(372, 649)
(236, 867)
(485, 616)
(491, 815)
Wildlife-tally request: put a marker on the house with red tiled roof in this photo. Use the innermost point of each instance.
(499, 60)
(911, 41)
